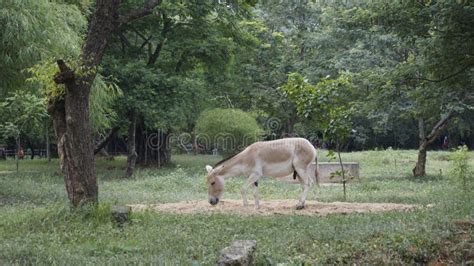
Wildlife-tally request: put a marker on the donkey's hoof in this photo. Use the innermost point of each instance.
(299, 206)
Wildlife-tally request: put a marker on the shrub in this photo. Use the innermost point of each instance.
(228, 130)
(460, 166)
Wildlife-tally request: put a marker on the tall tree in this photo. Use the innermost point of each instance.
(162, 63)
(71, 113)
(432, 80)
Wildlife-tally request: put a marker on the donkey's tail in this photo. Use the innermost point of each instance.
(316, 172)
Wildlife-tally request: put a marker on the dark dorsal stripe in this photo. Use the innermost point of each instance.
(225, 160)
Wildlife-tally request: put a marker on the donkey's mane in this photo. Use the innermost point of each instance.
(226, 159)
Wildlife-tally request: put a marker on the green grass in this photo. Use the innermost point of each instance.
(37, 227)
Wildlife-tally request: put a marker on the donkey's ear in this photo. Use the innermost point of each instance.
(208, 168)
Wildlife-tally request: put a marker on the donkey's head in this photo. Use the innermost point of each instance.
(215, 185)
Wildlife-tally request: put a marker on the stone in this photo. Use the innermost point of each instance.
(327, 168)
(239, 253)
(120, 214)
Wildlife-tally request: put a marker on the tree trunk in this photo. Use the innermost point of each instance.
(32, 152)
(77, 158)
(18, 148)
(71, 118)
(57, 112)
(131, 146)
(152, 147)
(71, 113)
(343, 174)
(419, 169)
(420, 166)
(48, 145)
(426, 141)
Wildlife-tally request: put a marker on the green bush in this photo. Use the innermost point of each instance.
(228, 130)
(460, 165)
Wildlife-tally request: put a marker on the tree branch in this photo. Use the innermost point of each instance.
(65, 74)
(447, 77)
(136, 13)
(439, 127)
(124, 40)
(145, 43)
(106, 140)
(140, 34)
(164, 32)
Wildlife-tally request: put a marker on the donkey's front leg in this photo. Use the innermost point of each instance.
(251, 180)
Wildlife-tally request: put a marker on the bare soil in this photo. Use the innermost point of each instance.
(5, 172)
(274, 207)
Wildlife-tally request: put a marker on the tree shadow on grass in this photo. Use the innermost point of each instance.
(424, 179)
(409, 177)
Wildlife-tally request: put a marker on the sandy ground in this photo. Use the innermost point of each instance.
(274, 207)
(5, 172)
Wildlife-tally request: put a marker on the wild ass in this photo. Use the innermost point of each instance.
(276, 158)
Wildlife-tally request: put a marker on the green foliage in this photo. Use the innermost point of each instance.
(460, 168)
(104, 92)
(41, 76)
(229, 130)
(402, 64)
(327, 103)
(22, 112)
(194, 42)
(33, 31)
(403, 61)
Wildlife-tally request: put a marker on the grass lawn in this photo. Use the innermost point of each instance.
(37, 227)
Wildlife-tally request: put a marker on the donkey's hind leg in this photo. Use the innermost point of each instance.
(305, 182)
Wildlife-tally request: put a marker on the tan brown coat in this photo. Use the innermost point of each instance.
(275, 158)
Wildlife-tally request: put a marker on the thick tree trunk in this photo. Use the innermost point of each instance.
(131, 146)
(426, 141)
(75, 144)
(71, 118)
(71, 113)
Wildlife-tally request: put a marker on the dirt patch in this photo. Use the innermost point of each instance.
(274, 207)
(5, 172)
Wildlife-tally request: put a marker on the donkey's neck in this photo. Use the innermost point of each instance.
(231, 167)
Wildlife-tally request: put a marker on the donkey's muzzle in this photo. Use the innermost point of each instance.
(213, 201)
